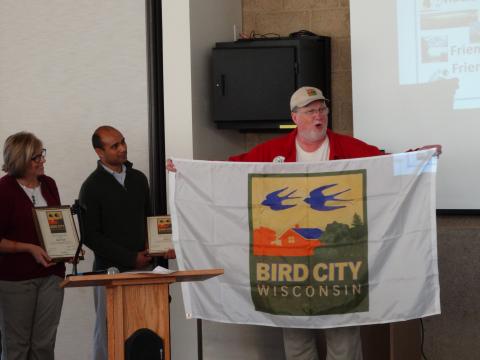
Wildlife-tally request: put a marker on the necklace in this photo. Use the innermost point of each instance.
(31, 193)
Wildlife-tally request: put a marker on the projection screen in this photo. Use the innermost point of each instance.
(416, 81)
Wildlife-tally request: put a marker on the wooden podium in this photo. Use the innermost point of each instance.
(392, 341)
(135, 301)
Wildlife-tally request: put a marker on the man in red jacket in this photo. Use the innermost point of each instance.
(312, 141)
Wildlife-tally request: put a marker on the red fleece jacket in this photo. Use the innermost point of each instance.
(341, 147)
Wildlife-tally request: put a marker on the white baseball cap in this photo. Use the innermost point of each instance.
(304, 96)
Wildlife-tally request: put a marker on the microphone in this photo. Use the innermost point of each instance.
(112, 270)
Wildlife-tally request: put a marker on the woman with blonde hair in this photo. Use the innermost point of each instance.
(30, 297)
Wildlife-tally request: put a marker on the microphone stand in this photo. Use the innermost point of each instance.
(76, 209)
(77, 257)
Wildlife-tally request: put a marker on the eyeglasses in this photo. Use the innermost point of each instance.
(321, 111)
(39, 157)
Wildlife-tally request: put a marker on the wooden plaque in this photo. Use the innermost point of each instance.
(57, 232)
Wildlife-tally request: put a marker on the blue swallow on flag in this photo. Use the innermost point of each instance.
(274, 201)
(318, 199)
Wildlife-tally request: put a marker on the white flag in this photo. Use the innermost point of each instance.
(309, 245)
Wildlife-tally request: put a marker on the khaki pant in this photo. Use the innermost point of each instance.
(342, 343)
(29, 315)
(100, 336)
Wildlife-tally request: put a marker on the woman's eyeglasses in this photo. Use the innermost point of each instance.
(39, 157)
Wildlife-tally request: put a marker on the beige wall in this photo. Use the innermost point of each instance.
(328, 18)
(67, 67)
(455, 333)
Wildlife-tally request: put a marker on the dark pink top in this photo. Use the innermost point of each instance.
(16, 223)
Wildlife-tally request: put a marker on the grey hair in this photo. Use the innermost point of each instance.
(18, 151)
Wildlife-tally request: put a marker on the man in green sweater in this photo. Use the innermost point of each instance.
(116, 202)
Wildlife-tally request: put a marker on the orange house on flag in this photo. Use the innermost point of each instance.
(293, 242)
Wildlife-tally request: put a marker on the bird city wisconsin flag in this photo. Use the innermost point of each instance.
(311, 245)
(309, 238)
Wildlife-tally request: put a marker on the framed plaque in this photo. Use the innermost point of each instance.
(57, 232)
(159, 234)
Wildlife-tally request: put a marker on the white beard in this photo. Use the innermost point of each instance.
(313, 135)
